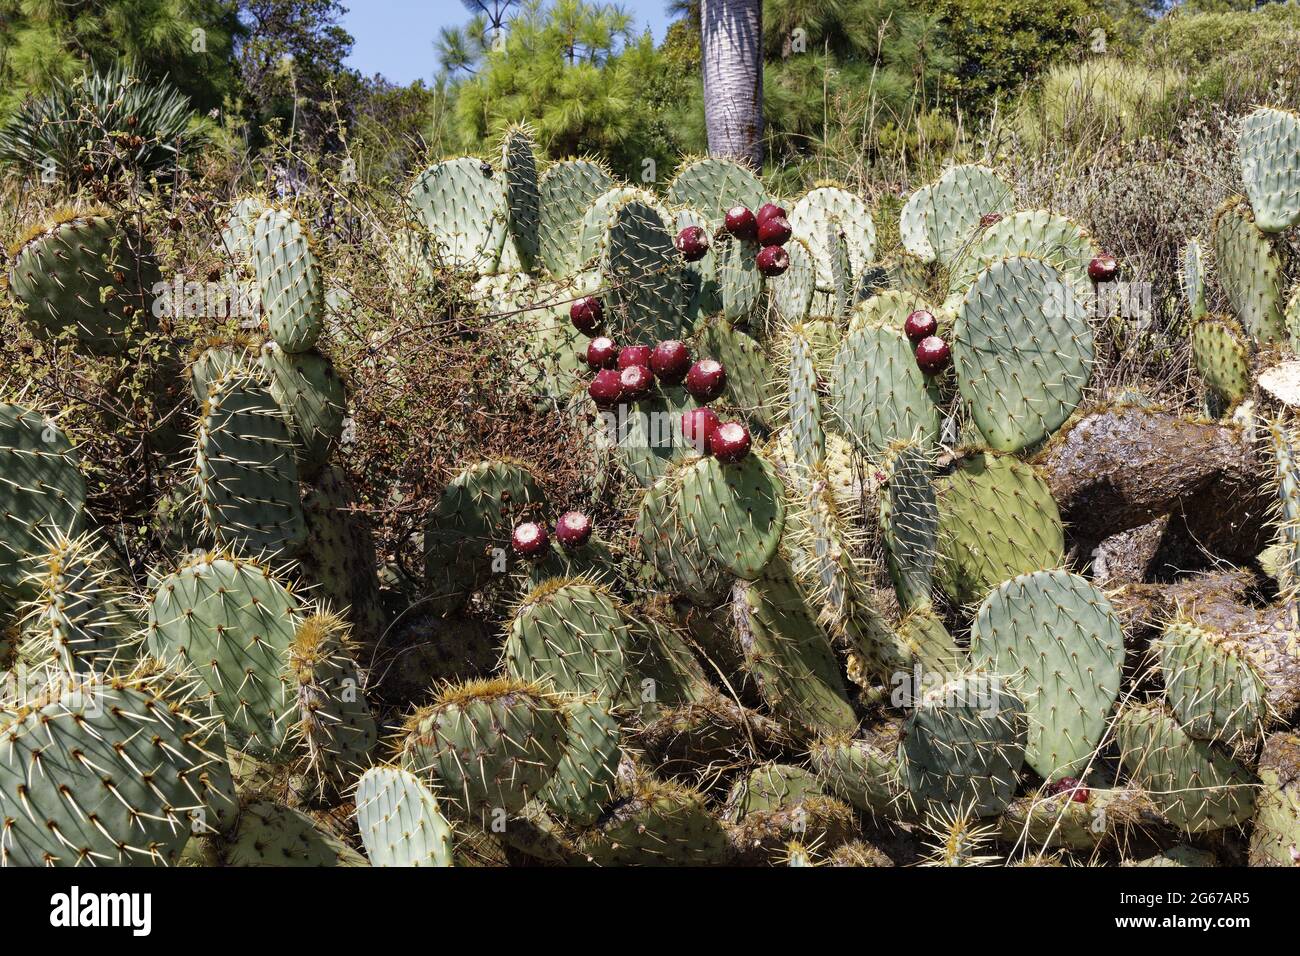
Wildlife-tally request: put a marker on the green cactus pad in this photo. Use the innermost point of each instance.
(878, 395)
(1023, 352)
(1035, 233)
(857, 771)
(80, 614)
(997, 519)
(673, 554)
(1195, 786)
(573, 637)
(735, 511)
(90, 276)
(523, 196)
(807, 439)
(641, 269)
(399, 820)
(715, 185)
(82, 785)
(566, 191)
(648, 432)
(1268, 151)
(1058, 641)
(940, 219)
(809, 218)
(750, 377)
(461, 204)
(963, 746)
(1221, 353)
(792, 291)
(889, 308)
(43, 491)
(739, 283)
(232, 622)
(310, 395)
(244, 470)
(289, 281)
(909, 522)
(475, 514)
(1212, 684)
(1284, 445)
(1193, 277)
(240, 228)
(1275, 837)
(789, 655)
(584, 779)
(1249, 272)
(490, 745)
(657, 824)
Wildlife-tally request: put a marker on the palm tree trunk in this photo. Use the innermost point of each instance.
(731, 35)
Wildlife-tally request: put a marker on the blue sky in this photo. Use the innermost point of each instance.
(395, 37)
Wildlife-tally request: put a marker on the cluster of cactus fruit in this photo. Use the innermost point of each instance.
(838, 621)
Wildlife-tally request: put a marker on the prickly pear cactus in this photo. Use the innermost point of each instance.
(1249, 272)
(1035, 233)
(809, 219)
(793, 290)
(523, 195)
(245, 475)
(90, 276)
(44, 493)
(80, 785)
(963, 746)
(310, 395)
(288, 280)
(1058, 641)
(1195, 786)
(909, 522)
(585, 779)
(1212, 684)
(1268, 151)
(1193, 277)
(1023, 351)
(641, 269)
(878, 395)
(232, 622)
(399, 820)
(997, 519)
(736, 512)
(939, 219)
(1221, 351)
(269, 834)
(715, 185)
(461, 205)
(565, 193)
(489, 745)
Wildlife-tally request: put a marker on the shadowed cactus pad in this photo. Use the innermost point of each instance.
(963, 746)
(490, 745)
(310, 395)
(1268, 151)
(909, 523)
(399, 820)
(1057, 640)
(1023, 351)
(657, 824)
(1195, 786)
(735, 511)
(269, 834)
(997, 519)
(523, 197)
(641, 270)
(1221, 352)
(90, 276)
(43, 492)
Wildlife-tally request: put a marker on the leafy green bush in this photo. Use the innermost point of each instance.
(1000, 44)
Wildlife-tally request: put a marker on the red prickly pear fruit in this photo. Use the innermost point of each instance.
(586, 314)
(773, 260)
(1103, 268)
(693, 243)
(933, 355)
(606, 388)
(1078, 792)
(573, 529)
(774, 231)
(630, 355)
(769, 210)
(529, 539)
(990, 219)
(698, 426)
(602, 353)
(921, 324)
(741, 223)
(636, 382)
(730, 442)
(706, 380)
(670, 361)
